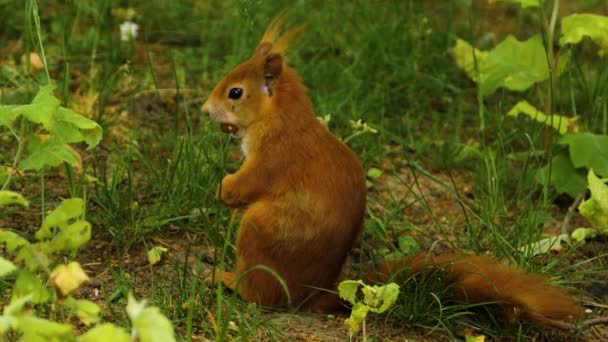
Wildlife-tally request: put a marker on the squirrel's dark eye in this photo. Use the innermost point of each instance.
(235, 93)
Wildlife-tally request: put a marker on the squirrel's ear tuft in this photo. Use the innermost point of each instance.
(271, 42)
(287, 39)
(270, 35)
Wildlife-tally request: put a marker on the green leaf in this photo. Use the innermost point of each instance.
(71, 237)
(50, 330)
(42, 108)
(33, 256)
(6, 267)
(8, 115)
(106, 332)
(11, 314)
(87, 311)
(582, 234)
(595, 209)
(577, 26)
(67, 211)
(10, 197)
(347, 290)
(564, 177)
(374, 172)
(50, 152)
(465, 56)
(357, 316)
(545, 245)
(155, 254)
(408, 245)
(511, 64)
(523, 3)
(28, 284)
(74, 127)
(562, 124)
(380, 298)
(588, 150)
(148, 323)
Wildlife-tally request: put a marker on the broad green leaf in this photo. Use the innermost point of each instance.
(408, 245)
(10, 197)
(595, 209)
(564, 177)
(6, 267)
(347, 290)
(42, 108)
(582, 234)
(71, 237)
(523, 3)
(87, 311)
(28, 284)
(155, 254)
(588, 150)
(543, 246)
(68, 210)
(34, 337)
(67, 278)
(47, 152)
(33, 256)
(11, 314)
(44, 328)
(16, 305)
(374, 172)
(106, 332)
(511, 64)
(357, 316)
(148, 323)
(474, 338)
(462, 52)
(8, 115)
(562, 124)
(577, 26)
(523, 63)
(380, 298)
(74, 127)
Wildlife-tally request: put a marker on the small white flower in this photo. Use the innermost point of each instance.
(361, 127)
(128, 31)
(325, 120)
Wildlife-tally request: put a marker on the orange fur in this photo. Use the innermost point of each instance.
(301, 193)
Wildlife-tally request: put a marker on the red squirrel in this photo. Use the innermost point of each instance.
(301, 194)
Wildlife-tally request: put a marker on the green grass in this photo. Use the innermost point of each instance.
(386, 63)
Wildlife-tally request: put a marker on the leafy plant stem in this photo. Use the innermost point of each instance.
(20, 146)
(39, 35)
(42, 204)
(551, 33)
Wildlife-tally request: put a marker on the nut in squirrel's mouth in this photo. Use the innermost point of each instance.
(229, 128)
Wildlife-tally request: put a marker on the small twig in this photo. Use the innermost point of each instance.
(594, 304)
(591, 322)
(571, 211)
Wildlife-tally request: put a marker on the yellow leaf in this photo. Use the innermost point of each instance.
(563, 124)
(66, 279)
(155, 254)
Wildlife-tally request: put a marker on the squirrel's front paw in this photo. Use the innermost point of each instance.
(227, 192)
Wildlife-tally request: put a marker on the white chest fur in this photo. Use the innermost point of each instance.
(245, 144)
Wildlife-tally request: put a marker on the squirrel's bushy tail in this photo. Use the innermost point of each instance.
(478, 279)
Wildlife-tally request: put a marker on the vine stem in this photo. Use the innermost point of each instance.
(551, 33)
(39, 35)
(20, 147)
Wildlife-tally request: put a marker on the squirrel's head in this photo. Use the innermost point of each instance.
(245, 95)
